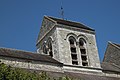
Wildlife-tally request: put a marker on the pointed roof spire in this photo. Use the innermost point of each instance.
(62, 13)
(62, 10)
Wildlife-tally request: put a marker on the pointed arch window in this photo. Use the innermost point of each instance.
(82, 45)
(72, 42)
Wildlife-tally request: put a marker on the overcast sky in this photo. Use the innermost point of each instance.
(20, 20)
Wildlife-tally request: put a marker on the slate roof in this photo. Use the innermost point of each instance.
(89, 76)
(110, 67)
(118, 45)
(112, 54)
(44, 58)
(80, 76)
(26, 55)
(70, 23)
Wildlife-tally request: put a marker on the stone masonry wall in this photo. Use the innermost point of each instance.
(52, 34)
(64, 47)
(35, 65)
(44, 66)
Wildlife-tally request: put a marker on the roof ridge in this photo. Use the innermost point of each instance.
(70, 21)
(17, 50)
(114, 44)
(65, 20)
(50, 19)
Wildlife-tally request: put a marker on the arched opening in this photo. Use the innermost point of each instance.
(82, 45)
(72, 42)
(44, 49)
(81, 42)
(50, 52)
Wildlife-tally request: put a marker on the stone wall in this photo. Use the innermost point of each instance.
(53, 35)
(44, 66)
(63, 32)
(27, 64)
(60, 44)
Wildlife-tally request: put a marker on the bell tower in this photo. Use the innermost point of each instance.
(71, 43)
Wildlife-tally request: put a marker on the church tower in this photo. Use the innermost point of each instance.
(70, 43)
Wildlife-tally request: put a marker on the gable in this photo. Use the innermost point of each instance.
(47, 25)
(49, 22)
(112, 54)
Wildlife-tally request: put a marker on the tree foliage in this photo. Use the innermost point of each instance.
(10, 73)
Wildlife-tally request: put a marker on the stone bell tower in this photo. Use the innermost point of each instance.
(69, 42)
